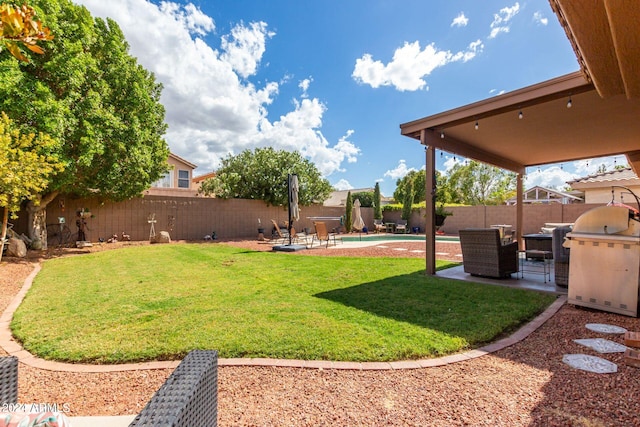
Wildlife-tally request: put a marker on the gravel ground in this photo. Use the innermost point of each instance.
(526, 384)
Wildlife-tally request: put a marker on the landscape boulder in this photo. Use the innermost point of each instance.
(162, 237)
(16, 248)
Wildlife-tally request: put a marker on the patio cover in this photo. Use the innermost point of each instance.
(602, 120)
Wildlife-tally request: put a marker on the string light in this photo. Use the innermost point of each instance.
(442, 135)
(477, 126)
(569, 103)
(520, 115)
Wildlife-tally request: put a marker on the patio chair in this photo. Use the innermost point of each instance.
(278, 234)
(401, 226)
(379, 225)
(298, 237)
(189, 397)
(483, 253)
(8, 380)
(322, 235)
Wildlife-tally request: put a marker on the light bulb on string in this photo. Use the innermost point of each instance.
(442, 135)
(569, 103)
(520, 115)
(477, 126)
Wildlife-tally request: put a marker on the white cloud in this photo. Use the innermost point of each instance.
(211, 109)
(554, 177)
(539, 18)
(496, 92)
(460, 20)
(304, 85)
(501, 20)
(409, 66)
(245, 46)
(400, 171)
(343, 184)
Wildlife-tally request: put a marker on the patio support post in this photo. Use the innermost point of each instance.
(519, 210)
(430, 199)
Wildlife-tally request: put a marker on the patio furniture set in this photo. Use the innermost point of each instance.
(189, 397)
(490, 252)
(321, 234)
(400, 226)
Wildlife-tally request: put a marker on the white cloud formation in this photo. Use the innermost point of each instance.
(554, 177)
(211, 109)
(400, 171)
(539, 18)
(244, 47)
(409, 66)
(304, 85)
(343, 184)
(460, 20)
(501, 20)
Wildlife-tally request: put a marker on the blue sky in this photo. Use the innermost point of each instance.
(334, 79)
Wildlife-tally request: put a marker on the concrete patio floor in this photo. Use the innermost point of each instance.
(526, 280)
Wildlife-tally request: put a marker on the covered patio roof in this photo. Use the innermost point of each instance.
(548, 132)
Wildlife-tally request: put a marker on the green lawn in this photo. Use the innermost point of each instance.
(158, 302)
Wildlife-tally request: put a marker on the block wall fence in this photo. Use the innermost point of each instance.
(191, 218)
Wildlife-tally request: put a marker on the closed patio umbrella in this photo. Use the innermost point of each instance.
(358, 223)
(294, 210)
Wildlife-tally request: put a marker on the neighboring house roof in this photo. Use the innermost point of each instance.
(624, 176)
(198, 179)
(180, 159)
(539, 194)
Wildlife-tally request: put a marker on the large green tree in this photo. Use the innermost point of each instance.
(261, 174)
(90, 94)
(478, 183)
(418, 184)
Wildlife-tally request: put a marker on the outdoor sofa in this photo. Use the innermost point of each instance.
(189, 397)
(483, 253)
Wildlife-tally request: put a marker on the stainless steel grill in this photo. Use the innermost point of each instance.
(604, 264)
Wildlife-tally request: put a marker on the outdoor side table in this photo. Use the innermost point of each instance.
(391, 227)
(535, 267)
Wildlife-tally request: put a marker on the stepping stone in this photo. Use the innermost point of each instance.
(399, 249)
(601, 345)
(589, 363)
(418, 251)
(605, 329)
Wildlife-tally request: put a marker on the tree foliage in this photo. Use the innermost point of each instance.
(408, 201)
(261, 174)
(18, 27)
(365, 197)
(377, 202)
(418, 179)
(480, 184)
(27, 164)
(348, 212)
(87, 92)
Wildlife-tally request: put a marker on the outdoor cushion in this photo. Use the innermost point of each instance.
(35, 419)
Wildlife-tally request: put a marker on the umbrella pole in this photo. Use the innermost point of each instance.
(289, 197)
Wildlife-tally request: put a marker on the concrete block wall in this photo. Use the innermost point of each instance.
(191, 218)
